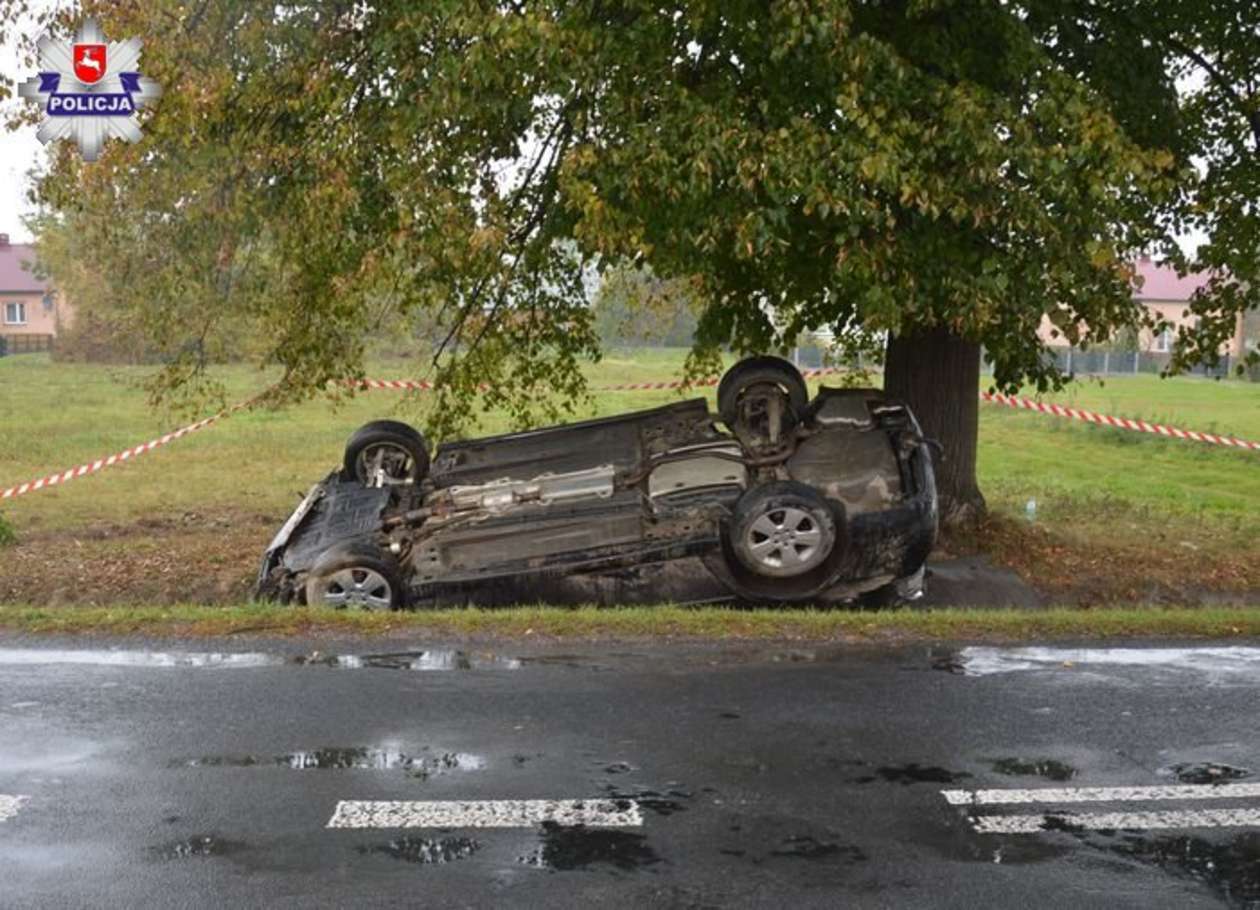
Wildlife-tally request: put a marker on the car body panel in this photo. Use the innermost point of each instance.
(622, 441)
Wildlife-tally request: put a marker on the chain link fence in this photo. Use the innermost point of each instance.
(1095, 362)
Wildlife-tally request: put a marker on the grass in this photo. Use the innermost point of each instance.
(54, 416)
(1104, 483)
(1110, 503)
(663, 621)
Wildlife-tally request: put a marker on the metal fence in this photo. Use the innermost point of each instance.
(1095, 362)
(25, 344)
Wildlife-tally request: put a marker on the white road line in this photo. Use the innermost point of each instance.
(9, 806)
(1100, 794)
(509, 813)
(1094, 821)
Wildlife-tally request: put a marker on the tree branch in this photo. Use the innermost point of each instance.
(1220, 79)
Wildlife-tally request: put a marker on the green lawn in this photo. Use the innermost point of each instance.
(1085, 479)
(1124, 483)
(54, 416)
(660, 621)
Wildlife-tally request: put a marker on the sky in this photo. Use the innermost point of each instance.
(19, 151)
(17, 154)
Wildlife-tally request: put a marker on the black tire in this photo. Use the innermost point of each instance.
(748, 375)
(403, 454)
(355, 575)
(783, 530)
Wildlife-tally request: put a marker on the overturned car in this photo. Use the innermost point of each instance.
(783, 498)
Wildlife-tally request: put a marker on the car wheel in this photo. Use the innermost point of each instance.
(389, 449)
(357, 576)
(762, 396)
(782, 530)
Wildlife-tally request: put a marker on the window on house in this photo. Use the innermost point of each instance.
(1163, 341)
(15, 314)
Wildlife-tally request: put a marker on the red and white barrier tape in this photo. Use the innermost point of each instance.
(1124, 423)
(100, 464)
(396, 385)
(416, 385)
(1011, 401)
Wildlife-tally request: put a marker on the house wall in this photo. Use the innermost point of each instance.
(41, 319)
(1174, 311)
(1251, 331)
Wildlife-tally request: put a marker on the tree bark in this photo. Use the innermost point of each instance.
(937, 373)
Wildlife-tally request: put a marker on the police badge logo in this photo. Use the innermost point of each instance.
(109, 89)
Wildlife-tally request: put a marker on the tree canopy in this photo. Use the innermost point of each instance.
(313, 168)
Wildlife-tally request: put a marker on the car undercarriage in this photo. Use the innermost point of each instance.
(784, 498)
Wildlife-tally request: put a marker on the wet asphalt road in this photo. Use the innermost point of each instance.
(766, 776)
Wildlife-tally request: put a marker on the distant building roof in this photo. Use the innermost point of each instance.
(15, 262)
(1161, 282)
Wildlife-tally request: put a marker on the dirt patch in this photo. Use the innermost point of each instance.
(1091, 572)
(186, 558)
(212, 558)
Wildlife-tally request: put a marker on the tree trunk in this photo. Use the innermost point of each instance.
(938, 374)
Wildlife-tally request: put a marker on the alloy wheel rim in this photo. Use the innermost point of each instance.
(786, 541)
(357, 587)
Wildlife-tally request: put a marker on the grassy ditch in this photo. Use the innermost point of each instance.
(660, 622)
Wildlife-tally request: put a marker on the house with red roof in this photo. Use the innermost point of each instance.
(1166, 295)
(30, 308)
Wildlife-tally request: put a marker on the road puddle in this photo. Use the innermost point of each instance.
(440, 659)
(662, 802)
(564, 848)
(962, 843)
(197, 845)
(573, 661)
(122, 658)
(1204, 773)
(1018, 851)
(912, 773)
(428, 659)
(1215, 665)
(426, 851)
(1049, 768)
(776, 839)
(362, 758)
(805, 846)
(1231, 868)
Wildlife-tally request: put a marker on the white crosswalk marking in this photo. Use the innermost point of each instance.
(511, 813)
(9, 806)
(1116, 821)
(1100, 794)
(1050, 819)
